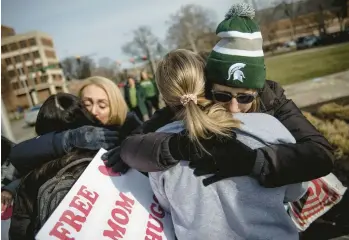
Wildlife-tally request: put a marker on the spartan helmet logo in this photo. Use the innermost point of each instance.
(234, 70)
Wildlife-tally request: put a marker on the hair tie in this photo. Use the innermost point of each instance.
(185, 99)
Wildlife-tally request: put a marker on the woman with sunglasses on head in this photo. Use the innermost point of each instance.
(103, 99)
(227, 72)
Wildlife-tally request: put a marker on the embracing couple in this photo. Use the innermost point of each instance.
(229, 149)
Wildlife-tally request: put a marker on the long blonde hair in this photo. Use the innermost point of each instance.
(117, 104)
(181, 73)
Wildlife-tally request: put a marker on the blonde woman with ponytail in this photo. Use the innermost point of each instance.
(184, 91)
(233, 208)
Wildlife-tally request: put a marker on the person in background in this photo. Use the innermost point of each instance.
(103, 99)
(135, 99)
(151, 93)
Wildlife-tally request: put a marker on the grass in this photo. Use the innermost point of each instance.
(307, 64)
(332, 120)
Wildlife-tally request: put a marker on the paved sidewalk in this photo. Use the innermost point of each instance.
(319, 90)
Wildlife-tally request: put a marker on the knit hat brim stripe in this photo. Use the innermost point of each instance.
(238, 52)
(241, 44)
(230, 34)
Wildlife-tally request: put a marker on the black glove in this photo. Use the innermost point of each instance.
(182, 148)
(114, 160)
(228, 158)
(89, 137)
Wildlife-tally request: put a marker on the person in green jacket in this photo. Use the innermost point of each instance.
(135, 99)
(151, 93)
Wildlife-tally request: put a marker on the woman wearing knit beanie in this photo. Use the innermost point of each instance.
(235, 68)
(237, 208)
(235, 73)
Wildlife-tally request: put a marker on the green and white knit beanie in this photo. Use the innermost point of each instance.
(237, 60)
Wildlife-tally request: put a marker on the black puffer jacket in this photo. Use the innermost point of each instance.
(311, 157)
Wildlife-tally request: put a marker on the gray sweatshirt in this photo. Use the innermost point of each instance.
(234, 208)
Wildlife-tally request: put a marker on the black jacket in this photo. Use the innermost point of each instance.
(311, 157)
(34, 152)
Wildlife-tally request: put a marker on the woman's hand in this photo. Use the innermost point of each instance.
(6, 200)
(225, 158)
(89, 137)
(114, 160)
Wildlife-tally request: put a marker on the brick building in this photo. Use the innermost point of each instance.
(21, 57)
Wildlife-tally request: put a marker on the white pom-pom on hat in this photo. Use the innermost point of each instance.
(241, 10)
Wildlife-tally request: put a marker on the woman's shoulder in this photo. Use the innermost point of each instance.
(264, 127)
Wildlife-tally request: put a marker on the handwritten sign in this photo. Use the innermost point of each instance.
(105, 205)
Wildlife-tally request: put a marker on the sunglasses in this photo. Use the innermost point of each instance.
(225, 97)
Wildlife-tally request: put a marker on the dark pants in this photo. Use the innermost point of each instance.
(152, 102)
(138, 112)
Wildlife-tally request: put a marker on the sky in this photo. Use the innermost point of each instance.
(99, 27)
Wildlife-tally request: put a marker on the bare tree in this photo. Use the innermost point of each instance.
(291, 9)
(320, 15)
(74, 68)
(268, 25)
(107, 68)
(189, 25)
(340, 10)
(144, 43)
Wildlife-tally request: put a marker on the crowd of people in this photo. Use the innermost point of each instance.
(142, 96)
(228, 143)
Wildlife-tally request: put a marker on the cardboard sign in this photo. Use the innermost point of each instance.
(105, 205)
(322, 194)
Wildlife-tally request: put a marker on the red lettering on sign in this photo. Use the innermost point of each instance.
(108, 171)
(126, 203)
(59, 232)
(155, 227)
(83, 203)
(75, 221)
(116, 231)
(160, 213)
(120, 216)
(84, 207)
(91, 196)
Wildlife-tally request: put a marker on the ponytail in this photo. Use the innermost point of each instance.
(180, 79)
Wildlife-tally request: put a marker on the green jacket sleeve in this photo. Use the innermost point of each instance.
(141, 100)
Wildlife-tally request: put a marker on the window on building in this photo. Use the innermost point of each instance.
(11, 73)
(20, 71)
(18, 59)
(32, 42)
(30, 68)
(13, 46)
(59, 77)
(23, 44)
(36, 81)
(4, 49)
(36, 54)
(44, 78)
(8, 61)
(50, 54)
(24, 83)
(38, 66)
(47, 42)
(15, 85)
(26, 56)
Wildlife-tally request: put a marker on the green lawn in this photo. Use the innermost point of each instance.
(307, 64)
